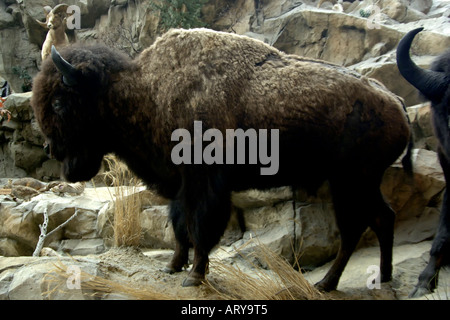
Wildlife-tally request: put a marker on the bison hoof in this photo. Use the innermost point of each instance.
(169, 270)
(325, 286)
(418, 292)
(191, 281)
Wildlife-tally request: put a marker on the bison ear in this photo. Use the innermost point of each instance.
(70, 74)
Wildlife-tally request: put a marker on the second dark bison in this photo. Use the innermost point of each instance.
(434, 85)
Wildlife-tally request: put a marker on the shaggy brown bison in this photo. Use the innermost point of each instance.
(434, 85)
(332, 124)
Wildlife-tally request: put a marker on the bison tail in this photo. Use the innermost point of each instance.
(407, 159)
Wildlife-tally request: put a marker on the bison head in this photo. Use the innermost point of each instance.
(69, 95)
(433, 83)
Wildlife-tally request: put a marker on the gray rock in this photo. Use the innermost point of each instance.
(27, 278)
(420, 117)
(19, 106)
(27, 157)
(6, 19)
(12, 248)
(81, 247)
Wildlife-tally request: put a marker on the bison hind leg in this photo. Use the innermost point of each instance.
(181, 255)
(382, 223)
(358, 204)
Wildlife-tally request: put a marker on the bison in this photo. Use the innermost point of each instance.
(433, 84)
(332, 123)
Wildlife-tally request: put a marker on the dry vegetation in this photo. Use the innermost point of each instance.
(98, 287)
(128, 204)
(278, 281)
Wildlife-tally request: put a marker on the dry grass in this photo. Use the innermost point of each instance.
(279, 282)
(128, 203)
(97, 287)
(5, 191)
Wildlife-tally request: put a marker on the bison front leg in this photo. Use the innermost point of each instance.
(439, 254)
(207, 204)
(181, 255)
(359, 204)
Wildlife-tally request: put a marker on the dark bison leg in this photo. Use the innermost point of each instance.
(181, 255)
(382, 223)
(208, 205)
(358, 204)
(440, 249)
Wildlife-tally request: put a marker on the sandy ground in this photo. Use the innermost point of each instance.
(138, 274)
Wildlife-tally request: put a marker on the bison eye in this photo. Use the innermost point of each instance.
(57, 106)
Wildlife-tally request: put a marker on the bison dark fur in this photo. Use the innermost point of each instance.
(333, 125)
(434, 85)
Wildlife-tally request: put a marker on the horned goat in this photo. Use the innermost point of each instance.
(55, 22)
(333, 124)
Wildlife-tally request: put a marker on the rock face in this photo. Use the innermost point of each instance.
(297, 226)
(21, 143)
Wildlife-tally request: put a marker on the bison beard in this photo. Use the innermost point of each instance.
(333, 125)
(81, 167)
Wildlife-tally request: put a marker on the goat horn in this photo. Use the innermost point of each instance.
(69, 72)
(61, 7)
(47, 10)
(431, 84)
(42, 24)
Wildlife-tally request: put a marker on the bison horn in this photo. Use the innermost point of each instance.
(431, 84)
(69, 72)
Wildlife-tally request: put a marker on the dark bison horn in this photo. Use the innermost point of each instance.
(431, 84)
(69, 72)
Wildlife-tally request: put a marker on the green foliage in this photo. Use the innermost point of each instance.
(365, 14)
(179, 13)
(22, 73)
